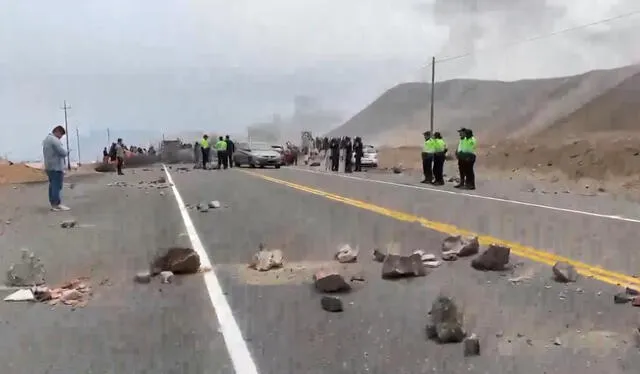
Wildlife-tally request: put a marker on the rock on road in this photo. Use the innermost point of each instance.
(526, 322)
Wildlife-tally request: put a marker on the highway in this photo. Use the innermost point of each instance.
(237, 320)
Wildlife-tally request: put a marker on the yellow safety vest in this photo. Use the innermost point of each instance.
(204, 143)
(429, 146)
(221, 145)
(440, 146)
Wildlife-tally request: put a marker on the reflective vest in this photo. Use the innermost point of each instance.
(429, 146)
(204, 143)
(468, 145)
(439, 146)
(221, 145)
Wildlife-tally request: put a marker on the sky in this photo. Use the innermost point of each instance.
(160, 66)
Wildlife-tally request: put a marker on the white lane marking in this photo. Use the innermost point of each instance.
(507, 201)
(236, 346)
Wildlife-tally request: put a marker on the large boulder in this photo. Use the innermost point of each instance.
(346, 254)
(495, 258)
(330, 281)
(178, 260)
(265, 260)
(397, 266)
(446, 324)
(28, 272)
(564, 272)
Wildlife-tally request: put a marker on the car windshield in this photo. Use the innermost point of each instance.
(260, 147)
(371, 150)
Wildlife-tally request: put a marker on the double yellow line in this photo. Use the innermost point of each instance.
(518, 249)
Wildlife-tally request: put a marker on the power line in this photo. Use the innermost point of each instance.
(538, 37)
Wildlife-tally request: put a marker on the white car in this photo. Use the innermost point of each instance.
(369, 156)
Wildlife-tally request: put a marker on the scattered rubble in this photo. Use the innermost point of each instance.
(329, 281)
(214, 204)
(564, 272)
(67, 224)
(266, 259)
(446, 325)
(331, 304)
(428, 260)
(179, 260)
(143, 277)
(471, 346)
(166, 277)
(458, 246)
(378, 255)
(21, 295)
(397, 266)
(27, 273)
(494, 258)
(346, 254)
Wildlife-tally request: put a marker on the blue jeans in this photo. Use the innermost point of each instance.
(55, 186)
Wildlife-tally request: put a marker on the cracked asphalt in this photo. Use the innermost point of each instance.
(131, 328)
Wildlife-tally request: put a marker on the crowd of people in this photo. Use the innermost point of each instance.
(224, 148)
(336, 149)
(434, 154)
(118, 152)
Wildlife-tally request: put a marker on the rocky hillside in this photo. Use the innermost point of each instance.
(501, 110)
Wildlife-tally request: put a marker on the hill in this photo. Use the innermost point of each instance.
(494, 109)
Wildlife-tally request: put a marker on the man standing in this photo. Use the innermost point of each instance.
(221, 148)
(205, 148)
(230, 149)
(197, 154)
(120, 156)
(427, 157)
(348, 154)
(54, 154)
(335, 154)
(358, 149)
(439, 154)
(469, 150)
(460, 155)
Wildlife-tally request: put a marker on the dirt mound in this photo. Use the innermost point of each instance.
(20, 173)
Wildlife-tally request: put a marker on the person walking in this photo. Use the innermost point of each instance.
(439, 155)
(205, 149)
(221, 148)
(427, 157)
(231, 147)
(120, 148)
(54, 154)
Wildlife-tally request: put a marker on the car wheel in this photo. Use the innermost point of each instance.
(261, 166)
(277, 166)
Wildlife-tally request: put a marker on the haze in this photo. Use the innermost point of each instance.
(144, 68)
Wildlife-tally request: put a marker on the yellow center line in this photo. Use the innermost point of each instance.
(518, 249)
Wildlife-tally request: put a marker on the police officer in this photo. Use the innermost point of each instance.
(221, 148)
(427, 157)
(439, 154)
(335, 154)
(231, 147)
(204, 147)
(460, 156)
(358, 149)
(470, 160)
(348, 154)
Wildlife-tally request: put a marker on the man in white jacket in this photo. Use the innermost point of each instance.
(54, 155)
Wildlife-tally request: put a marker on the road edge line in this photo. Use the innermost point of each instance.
(237, 348)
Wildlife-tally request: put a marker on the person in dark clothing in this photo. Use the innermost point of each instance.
(325, 144)
(470, 160)
(358, 148)
(348, 154)
(205, 148)
(427, 157)
(461, 158)
(439, 155)
(335, 154)
(112, 152)
(231, 147)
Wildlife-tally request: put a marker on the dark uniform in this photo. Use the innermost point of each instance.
(439, 156)
(460, 155)
(427, 157)
(335, 154)
(231, 147)
(358, 148)
(348, 153)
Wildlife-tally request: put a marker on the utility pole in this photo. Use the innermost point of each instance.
(78, 143)
(66, 130)
(433, 87)
(108, 137)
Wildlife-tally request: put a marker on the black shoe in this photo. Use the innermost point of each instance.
(458, 186)
(424, 181)
(471, 188)
(438, 183)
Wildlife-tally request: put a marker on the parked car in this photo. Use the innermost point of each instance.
(256, 154)
(369, 156)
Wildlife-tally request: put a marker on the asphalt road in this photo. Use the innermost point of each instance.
(130, 328)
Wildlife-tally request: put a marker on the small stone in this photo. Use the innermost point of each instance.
(203, 208)
(166, 277)
(378, 255)
(161, 193)
(449, 256)
(67, 224)
(471, 346)
(331, 304)
(557, 341)
(447, 319)
(70, 295)
(328, 281)
(21, 295)
(432, 264)
(265, 260)
(495, 258)
(622, 298)
(564, 272)
(142, 277)
(179, 260)
(215, 204)
(397, 266)
(161, 180)
(462, 247)
(358, 278)
(397, 170)
(428, 257)
(346, 254)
